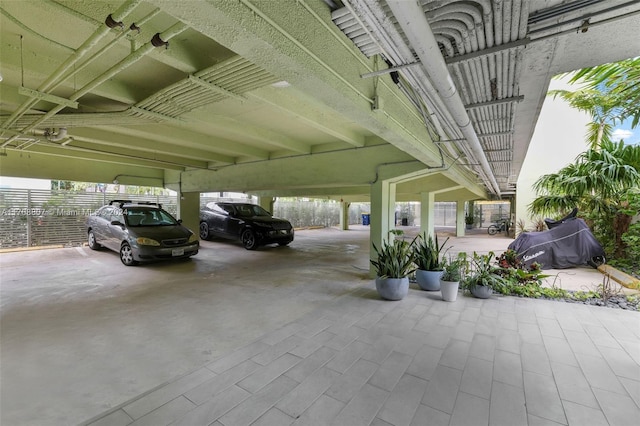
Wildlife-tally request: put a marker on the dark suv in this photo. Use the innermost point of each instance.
(140, 231)
(248, 223)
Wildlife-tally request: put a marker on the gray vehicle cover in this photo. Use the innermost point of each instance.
(567, 245)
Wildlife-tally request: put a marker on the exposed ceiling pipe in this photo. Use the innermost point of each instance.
(397, 49)
(55, 137)
(102, 31)
(129, 60)
(133, 27)
(391, 44)
(371, 16)
(415, 26)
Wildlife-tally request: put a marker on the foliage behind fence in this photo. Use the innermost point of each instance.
(34, 217)
(31, 217)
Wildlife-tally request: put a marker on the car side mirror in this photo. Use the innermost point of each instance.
(180, 221)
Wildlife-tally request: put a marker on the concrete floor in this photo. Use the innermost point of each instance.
(233, 336)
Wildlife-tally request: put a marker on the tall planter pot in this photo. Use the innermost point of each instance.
(392, 288)
(428, 280)
(449, 290)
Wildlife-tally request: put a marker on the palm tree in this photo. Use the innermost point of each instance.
(602, 184)
(604, 181)
(621, 78)
(604, 107)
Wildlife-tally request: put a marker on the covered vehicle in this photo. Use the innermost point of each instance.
(245, 222)
(566, 245)
(553, 223)
(140, 231)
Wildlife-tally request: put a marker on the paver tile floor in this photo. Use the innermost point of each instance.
(419, 361)
(298, 335)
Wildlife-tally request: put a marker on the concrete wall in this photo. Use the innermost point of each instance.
(557, 140)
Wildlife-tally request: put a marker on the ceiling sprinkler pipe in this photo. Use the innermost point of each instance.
(101, 32)
(55, 137)
(132, 58)
(415, 26)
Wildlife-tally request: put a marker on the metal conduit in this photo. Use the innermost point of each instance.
(506, 21)
(497, 14)
(414, 24)
(112, 43)
(448, 47)
(83, 119)
(479, 71)
(129, 60)
(234, 76)
(102, 31)
(396, 50)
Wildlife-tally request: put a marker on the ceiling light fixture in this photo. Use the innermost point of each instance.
(157, 41)
(584, 27)
(281, 84)
(112, 23)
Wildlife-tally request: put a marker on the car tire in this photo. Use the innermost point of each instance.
(204, 231)
(93, 244)
(596, 261)
(249, 239)
(126, 255)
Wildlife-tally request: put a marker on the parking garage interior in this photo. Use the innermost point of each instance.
(351, 100)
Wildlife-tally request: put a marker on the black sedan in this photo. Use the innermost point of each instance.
(248, 223)
(140, 232)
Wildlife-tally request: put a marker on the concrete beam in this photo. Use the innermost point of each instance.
(45, 166)
(326, 68)
(352, 167)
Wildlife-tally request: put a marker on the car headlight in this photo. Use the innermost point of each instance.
(144, 241)
(193, 238)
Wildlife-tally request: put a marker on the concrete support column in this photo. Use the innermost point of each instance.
(460, 223)
(189, 210)
(427, 213)
(267, 203)
(383, 207)
(344, 215)
(471, 211)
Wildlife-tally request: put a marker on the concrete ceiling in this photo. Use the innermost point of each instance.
(274, 98)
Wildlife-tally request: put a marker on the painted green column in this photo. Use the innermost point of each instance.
(189, 210)
(460, 223)
(383, 204)
(427, 213)
(267, 203)
(344, 215)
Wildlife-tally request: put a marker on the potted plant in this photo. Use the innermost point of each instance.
(451, 277)
(483, 279)
(469, 220)
(427, 256)
(393, 264)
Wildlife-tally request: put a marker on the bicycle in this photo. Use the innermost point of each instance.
(499, 226)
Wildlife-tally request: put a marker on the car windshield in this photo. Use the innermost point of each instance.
(251, 210)
(148, 217)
